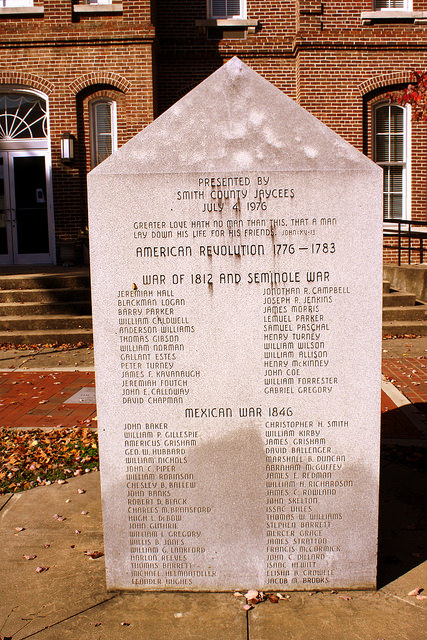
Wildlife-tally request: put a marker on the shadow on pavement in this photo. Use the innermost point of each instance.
(402, 540)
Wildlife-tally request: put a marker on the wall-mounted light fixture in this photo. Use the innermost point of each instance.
(67, 147)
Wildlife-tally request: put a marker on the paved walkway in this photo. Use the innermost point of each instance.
(47, 399)
(67, 599)
(52, 387)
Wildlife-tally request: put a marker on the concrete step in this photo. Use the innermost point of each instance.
(77, 307)
(45, 307)
(44, 295)
(46, 322)
(417, 312)
(69, 336)
(386, 286)
(402, 328)
(398, 299)
(45, 281)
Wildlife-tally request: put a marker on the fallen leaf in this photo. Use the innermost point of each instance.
(252, 593)
(237, 594)
(273, 598)
(59, 518)
(84, 513)
(125, 624)
(420, 597)
(81, 491)
(416, 591)
(19, 528)
(177, 615)
(247, 607)
(345, 597)
(41, 569)
(77, 531)
(30, 557)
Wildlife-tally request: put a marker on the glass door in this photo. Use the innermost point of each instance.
(25, 225)
(6, 255)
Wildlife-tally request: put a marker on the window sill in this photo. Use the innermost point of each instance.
(229, 23)
(98, 8)
(417, 17)
(22, 11)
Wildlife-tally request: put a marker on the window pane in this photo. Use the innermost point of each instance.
(225, 8)
(16, 3)
(103, 117)
(396, 120)
(382, 119)
(233, 7)
(382, 148)
(389, 4)
(396, 179)
(102, 123)
(393, 192)
(385, 206)
(386, 180)
(396, 205)
(397, 149)
(22, 116)
(104, 148)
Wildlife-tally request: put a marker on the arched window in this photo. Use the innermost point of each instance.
(103, 129)
(22, 116)
(391, 152)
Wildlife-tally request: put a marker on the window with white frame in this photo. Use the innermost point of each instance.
(227, 8)
(391, 152)
(103, 129)
(389, 5)
(16, 3)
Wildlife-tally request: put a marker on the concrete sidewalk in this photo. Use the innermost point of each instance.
(68, 600)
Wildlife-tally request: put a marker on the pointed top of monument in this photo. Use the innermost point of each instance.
(235, 120)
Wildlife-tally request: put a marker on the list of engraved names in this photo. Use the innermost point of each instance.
(219, 235)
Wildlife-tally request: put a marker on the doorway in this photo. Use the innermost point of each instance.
(26, 212)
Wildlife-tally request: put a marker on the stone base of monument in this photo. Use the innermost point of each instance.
(237, 328)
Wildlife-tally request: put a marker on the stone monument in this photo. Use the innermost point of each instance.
(236, 277)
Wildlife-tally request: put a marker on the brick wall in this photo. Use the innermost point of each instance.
(319, 53)
(73, 58)
(152, 53)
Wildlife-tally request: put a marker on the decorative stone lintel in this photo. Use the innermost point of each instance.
(418, 17)
(22, 11)
(98, 8)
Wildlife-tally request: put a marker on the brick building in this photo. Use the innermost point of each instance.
(92, 75)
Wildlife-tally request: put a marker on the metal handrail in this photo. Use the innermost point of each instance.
(406, 232)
